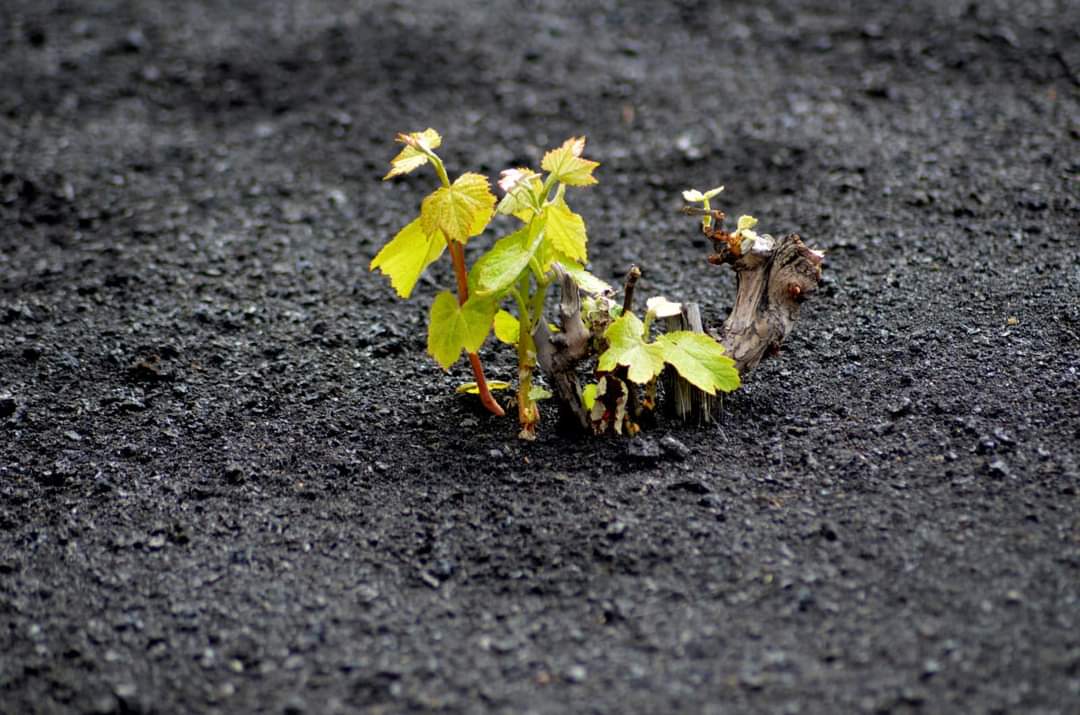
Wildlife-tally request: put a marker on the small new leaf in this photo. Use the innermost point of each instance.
(411, 157)
(627, 347)
(746, 233)
(511, 179)
(566, 230)
(522, 187)
(700, 360)
(537, 393)
(694, 196)
(566, 165)
(588, 395)
(406, 256)
(453, 328)
(461, 210)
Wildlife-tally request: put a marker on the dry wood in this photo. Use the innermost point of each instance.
(559, 354)
(773, 278)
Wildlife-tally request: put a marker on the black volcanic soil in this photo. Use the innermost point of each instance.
(231, 481)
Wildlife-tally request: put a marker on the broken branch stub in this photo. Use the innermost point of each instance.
(681, 399)
(773, 278)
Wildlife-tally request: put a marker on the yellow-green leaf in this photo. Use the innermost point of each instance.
(627, 347)
(585, 281)
(700, 360)
(479, 313)
(406, 256)
(471, 388)
(411, 157)
(695, 196)
(537, 393)
(588, 396)
(507, 328)
(500, 267)
(746, 223)
(460, 210)
(566, 231)
(453, 328)
(567, 166)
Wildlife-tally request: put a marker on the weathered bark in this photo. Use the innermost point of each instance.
(559, 354)
(773, 278)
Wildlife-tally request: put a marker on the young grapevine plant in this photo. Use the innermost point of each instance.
(518, 270)
(449, 217)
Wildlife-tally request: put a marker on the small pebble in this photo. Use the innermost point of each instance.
(576, 674)
(674, 448)
(643, 449)
(901, 408)
(125, 691)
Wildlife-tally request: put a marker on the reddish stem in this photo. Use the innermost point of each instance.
(457, 254)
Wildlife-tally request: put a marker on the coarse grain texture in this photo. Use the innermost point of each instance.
(232, 481)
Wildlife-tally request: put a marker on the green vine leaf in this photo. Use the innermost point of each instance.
(453, 328)
(499, 268)
(411, 157)
(461, 210)
(566, 165)
(627, 347)
(406, 256)
(585, 281)
(700, 360)
(566, 230)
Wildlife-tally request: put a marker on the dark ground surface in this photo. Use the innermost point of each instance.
(231, 480)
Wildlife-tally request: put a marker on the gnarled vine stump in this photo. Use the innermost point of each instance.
(773, 278)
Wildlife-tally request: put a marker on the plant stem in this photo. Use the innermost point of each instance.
(440, 167)
(457, 254)
(528, 411)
